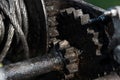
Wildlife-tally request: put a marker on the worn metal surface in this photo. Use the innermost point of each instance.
(90, 41)
(31, 68)
(53, 8)
(58, 60)
(70, 57)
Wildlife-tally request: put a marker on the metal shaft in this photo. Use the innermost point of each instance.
(30, 68)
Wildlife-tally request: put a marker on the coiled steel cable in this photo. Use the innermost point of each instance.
(15, 11)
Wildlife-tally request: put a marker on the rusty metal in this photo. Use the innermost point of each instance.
(31, 68)
(46, 32)
(56, 61)
(70, 57)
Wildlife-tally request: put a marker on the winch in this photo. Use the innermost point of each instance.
(73, 38)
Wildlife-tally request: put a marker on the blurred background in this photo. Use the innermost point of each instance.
(104, 3)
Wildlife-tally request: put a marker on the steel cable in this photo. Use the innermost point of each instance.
(15, 11)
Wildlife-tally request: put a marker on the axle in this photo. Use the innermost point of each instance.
(56, 60)
(30, 68)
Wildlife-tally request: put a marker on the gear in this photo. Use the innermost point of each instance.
(71, 25)
(68, 15)
(70, 58)
(77, 14)
(51, 13)
(70, 53)
(61, 21)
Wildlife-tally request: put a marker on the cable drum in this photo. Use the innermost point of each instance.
(14, 23)
(18, 41)
(38, 29)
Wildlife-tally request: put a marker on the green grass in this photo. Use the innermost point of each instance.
(105, 3)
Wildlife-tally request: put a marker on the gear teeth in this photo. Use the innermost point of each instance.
(51, 10)
(64, 44)
(53, 41)
(56, 41)
(84, 19)
(72, 65)
(73, 54)
(66, 18)
(53, 32)
(68, 10)
(52, 21)
(76, 13)
(79, 12)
